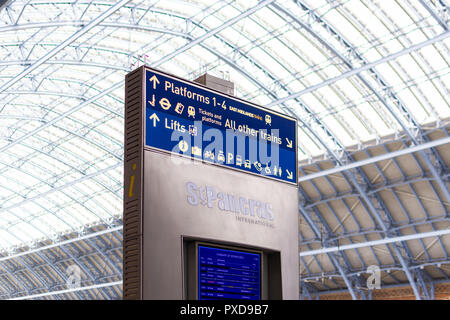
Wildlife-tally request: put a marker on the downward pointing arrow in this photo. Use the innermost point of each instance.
(152, 103)
(155, 118)
(289, 143)
(154, 79)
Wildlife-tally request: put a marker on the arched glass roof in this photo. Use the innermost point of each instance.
(354, 72)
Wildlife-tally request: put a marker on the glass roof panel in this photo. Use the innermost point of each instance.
(50, 135)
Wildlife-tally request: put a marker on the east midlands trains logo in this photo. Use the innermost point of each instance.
(246, 210)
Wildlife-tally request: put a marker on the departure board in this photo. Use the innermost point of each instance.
(228, 274)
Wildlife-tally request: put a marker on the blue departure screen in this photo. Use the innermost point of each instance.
(228, 274)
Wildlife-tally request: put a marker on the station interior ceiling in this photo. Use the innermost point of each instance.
(367, 80)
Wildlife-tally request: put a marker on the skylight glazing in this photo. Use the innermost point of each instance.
(61, 86)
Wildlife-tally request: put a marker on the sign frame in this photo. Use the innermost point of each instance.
(228, 96)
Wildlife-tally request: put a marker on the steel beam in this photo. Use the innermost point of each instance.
(61, 243)
(373, 210)
(333, 259)
(63, 115)
(372, 231)
(69, 40)
(434, 14)
(386, 268)
(120, 83)
(69, 184)
(389, 286)
(386, 88)
(66, 62)
(377, 242)
(214, 31)
(382, 157)
(344, 276)
(365, 67)
(46, 294)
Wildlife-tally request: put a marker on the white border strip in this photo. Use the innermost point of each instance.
(45, 294)
(91, 235)
(376, 242)
(385, 156)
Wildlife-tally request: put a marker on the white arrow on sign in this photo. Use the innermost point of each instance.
(290, 174)
(152, 103)
(289, 143)
(155, 118)
(154, 79)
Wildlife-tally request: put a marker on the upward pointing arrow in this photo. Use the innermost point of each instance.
(155, 80)
(155, 118)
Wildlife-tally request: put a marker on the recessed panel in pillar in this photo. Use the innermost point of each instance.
(228, 274)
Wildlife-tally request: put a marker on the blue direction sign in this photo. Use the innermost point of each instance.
(189, 119)
(228, 274)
